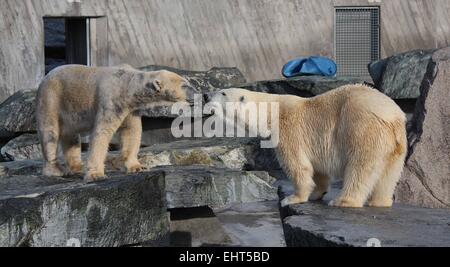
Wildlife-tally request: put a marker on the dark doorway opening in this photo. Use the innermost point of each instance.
(66, 42)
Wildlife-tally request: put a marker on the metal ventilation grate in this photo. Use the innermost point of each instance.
(357, 39)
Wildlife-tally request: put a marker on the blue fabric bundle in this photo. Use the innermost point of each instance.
(310, 66)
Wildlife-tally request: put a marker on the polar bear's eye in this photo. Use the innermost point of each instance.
(223, 93)
(242, 99)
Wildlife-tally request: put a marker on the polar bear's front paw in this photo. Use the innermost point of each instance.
(134, 168)
(345, 203)
(291, 200)
(317, 195)
(75, 168)
(91, 177)
(53, 170)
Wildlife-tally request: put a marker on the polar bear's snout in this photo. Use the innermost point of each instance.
(190, 91)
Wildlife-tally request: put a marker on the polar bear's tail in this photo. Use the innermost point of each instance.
(401, 145)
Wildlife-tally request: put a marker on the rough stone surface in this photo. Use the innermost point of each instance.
(315, 224)
(304, 86)
(21, 167)
(24, 147)
(207, 81)
(17, 114)
(401, 76)
(196, 186)
(124, 210)
(190, 185)
(426, 177)
(233, 153)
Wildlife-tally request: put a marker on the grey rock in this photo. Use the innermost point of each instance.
(217, 188)
(401, 76)
(206, 81)
(21, 167)
(426, 177)
(24, 147)
(17, 113)
(124, 210)
(315, 224)
(189, 185)
(304, 86)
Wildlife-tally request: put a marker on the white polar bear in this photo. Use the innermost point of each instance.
(353, 132)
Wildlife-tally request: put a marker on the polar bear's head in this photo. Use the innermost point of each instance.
(165, 86)
(252, 110)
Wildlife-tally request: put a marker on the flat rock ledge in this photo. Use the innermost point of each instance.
(217, 188)
(317, 225)
(233, 153)
(124, 210)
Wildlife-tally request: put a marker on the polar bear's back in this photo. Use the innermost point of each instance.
(362, 98)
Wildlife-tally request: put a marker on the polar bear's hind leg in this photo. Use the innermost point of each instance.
(71, 147)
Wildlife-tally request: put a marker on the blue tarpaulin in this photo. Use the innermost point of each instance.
(314, 65)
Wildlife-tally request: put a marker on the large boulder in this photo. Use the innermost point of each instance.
(17, 114)
(24, 147)
(304, 86)
(315, 224)
(401, 76)
(426, 177)
(125, 210)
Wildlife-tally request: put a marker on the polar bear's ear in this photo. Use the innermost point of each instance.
(158, 85)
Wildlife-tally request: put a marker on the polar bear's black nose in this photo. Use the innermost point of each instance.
(206, 98)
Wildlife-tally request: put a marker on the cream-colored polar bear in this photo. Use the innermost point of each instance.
(75, 99)
(353, 132)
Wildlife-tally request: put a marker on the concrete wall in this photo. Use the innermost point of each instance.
(257, 36)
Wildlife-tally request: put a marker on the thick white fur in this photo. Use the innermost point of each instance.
(353, 132)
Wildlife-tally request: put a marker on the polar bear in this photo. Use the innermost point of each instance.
(75, 99)
(354, 132)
